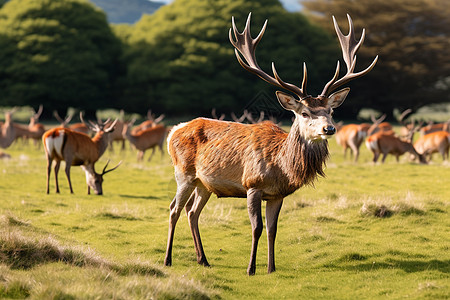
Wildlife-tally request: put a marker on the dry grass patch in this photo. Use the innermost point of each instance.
(384, 208)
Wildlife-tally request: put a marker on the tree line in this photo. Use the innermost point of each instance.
(63, 53)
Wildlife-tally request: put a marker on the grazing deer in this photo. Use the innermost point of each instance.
(8, 131)
(438, 141)
(145, 139)
(256, 161)
(78, 149)
(151, 121)
(386, 143)
(36, 130)
(352, 135)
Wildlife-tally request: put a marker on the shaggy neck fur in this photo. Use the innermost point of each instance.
(302, 161)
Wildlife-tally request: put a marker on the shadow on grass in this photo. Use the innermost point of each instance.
(409, 266)
(139, 197)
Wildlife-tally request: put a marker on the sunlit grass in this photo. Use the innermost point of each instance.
(365, 231)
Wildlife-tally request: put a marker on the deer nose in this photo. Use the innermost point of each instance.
(329, 130)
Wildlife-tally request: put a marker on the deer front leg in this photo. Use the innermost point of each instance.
(273, 208)
(68, 176)
(254, 213)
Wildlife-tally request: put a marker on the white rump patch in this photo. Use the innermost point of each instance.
(175, 128)
(372, 145)
(55, 143)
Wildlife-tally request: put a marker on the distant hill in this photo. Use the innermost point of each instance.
(126, 11)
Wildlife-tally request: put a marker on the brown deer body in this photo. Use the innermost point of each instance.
(77, 149)
(352, 136)
(36, 130)
(387, 143)
(146, 139)
(151, 121)
(435, 142)
(256, 161)
(8, 130)
(435, 127)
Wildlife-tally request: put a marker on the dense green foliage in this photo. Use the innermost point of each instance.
(180, 59)
(56, 52)
(412, 38)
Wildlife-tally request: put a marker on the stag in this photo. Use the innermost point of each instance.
(78, 149)
(256, 161)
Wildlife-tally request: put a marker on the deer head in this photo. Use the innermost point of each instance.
(94, 180)
(312, 114)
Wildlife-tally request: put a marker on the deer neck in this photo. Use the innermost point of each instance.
(129, 136)
(301, 160)
(101, 141)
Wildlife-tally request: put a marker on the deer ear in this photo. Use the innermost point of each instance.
(336, 99)
(287, 101)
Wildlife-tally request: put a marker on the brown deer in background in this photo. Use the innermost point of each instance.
(151, 121)
(256, 161)
(438, 141)
(386, 142)
(8, 131)
(78, 127)
(36, 129)
(78, 149)
(143, 140)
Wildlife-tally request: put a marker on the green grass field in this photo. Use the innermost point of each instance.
(364, 232)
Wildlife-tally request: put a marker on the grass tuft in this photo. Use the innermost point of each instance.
(14, 290)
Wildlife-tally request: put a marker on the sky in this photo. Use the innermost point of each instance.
(291, 5)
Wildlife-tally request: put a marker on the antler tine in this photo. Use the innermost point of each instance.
(246, 45)
(57, 117)
(107, 171)
(91, 125)
(403, 115)
(349, 47)
(261, 117)
(39, 112)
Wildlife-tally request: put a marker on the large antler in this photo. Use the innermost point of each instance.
(349, 46)
(246, 45)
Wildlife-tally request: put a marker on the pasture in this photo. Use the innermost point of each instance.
(362, 232)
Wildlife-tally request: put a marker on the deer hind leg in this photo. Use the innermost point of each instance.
(355, 150)
(273, 208)
(254, 213)
(56, 170)
(198, 200)
(151, 155)
(184, 191)
(49, 171)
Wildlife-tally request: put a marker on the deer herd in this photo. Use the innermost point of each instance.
(248, 157)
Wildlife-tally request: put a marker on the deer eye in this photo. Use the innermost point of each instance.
(305, 115)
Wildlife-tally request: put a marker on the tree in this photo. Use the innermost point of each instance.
(412, 38)
(180, 58)
(59, 53)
